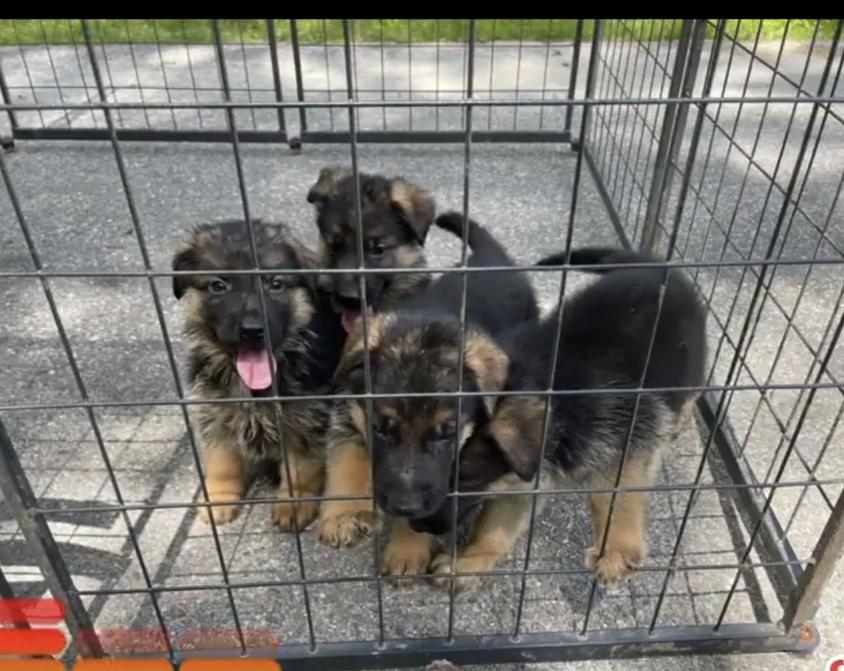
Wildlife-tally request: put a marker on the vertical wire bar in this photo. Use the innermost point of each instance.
(297, 67)
(409, 73)
(383, 83)
(137, 72)
(637, 117)
(658, 109)
(108, 71)
(632, 115)
(56, 77)
(253, 248)
(546, 421)
(575, 66)
(769, 499)
(667, 139)
(328, 72)
(618, 111)
(29, 76)
(7, 100)
(191, 73)
(164, 71)
(246, 72)
(273, 42)
(19, 497)
(464, 246)
(11, 458)
(491, 75)
(437, 77)
(603, 144)
(724, 402)
(79, 63)
(519, 72)
(367, 366)
(545, 73)
(705, 169)
(602, 85)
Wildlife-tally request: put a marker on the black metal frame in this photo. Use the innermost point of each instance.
(663, 191)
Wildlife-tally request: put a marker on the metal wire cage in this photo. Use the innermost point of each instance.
(702, 140)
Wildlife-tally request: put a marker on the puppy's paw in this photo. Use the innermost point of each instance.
(441, 568)
(305, 512)
(221, 514)
(615, 566)
(347, 526)
(405, 559)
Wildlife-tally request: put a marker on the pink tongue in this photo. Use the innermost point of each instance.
(255, 368)
(349, 319)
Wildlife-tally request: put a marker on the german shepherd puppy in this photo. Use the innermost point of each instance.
(228, 357)
(411, 350)
(604, 344)
(395, 216)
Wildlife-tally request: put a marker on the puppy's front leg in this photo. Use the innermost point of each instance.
(306, 479)
(348, 473)
(494, 535)
(408, 552)
(225, 480)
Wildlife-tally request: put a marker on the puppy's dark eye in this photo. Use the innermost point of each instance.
(375, 247)
(218, 286)
(336, 245)
(383, 426)
(277, 284)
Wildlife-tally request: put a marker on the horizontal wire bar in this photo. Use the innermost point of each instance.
(408, 395)
(500, 573)
(462, 103)
(591, 268)
(559, 491)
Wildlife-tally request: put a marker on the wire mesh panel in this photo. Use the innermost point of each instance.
(710, 143)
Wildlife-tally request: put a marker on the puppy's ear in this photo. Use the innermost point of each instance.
(488, 364)
(516, 429)
(325, 187)
(350, 371)
(415, 205)
(185, 259)
(306, 259)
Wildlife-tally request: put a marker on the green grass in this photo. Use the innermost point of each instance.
(317, 31)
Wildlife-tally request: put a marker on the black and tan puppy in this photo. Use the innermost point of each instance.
(604, 345)
(395, 217)
(228, 357)
(412, 349)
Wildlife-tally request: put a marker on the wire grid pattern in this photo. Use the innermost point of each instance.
(143, 459)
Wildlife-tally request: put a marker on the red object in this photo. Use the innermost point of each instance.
(31, 641)
(31, 611)
(836, 665)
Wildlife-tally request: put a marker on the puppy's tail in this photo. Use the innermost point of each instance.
(588, 256)
(480, 240)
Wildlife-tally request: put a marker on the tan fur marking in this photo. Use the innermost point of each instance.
(348, 473)
(626, 544)
(225, 480)
(407, 553)
(489, 364)
(494, 534)
(307, 475)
